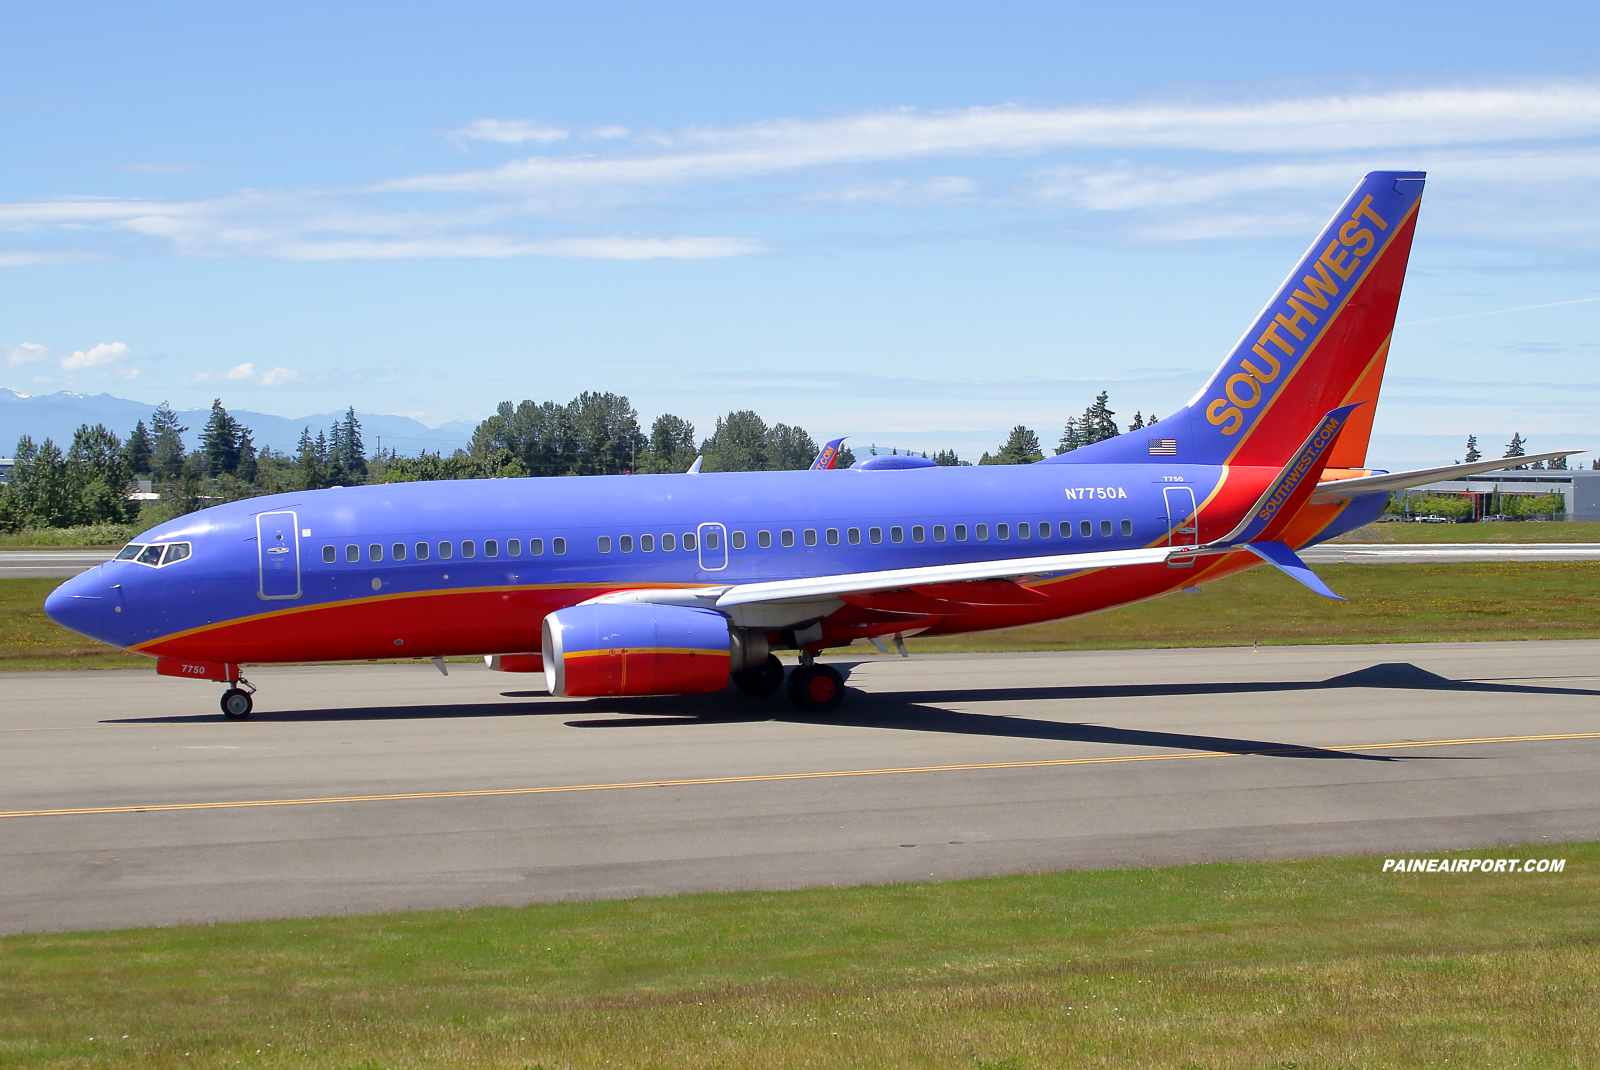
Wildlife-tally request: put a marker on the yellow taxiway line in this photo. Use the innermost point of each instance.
(770, 777)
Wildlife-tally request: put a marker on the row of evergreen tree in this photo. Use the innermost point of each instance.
(593, 434)
(1518, 447)
(93, 481)
(1097, 423)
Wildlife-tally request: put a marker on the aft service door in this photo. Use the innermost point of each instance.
(278, 548)
(1183, 526)
(713, 539)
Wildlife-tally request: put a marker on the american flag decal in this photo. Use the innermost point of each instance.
(1163, 447)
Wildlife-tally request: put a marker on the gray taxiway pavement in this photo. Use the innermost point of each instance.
(380, 788)
(58, 564)
(1353, 553)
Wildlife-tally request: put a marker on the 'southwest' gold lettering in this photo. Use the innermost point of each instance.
(1339, 261)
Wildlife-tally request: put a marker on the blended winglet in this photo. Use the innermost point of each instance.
(829, 455)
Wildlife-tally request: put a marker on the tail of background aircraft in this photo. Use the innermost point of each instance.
(1320, 343)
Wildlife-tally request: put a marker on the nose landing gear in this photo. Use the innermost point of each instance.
(236, 701)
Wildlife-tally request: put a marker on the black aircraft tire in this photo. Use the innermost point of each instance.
(818, 689)
(236, 704)
(763, 679)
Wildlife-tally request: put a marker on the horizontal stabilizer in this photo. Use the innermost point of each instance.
(1340, 489)
(1279, 555)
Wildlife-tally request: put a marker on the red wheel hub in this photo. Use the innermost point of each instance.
(820, 688)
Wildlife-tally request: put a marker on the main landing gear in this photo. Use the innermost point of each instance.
(816, 688)
(236, 701)
(762, 679)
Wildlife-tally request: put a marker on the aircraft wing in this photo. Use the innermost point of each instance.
(892, 579)
(1339, 489)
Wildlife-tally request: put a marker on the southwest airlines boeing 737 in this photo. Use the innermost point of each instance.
(677, 584)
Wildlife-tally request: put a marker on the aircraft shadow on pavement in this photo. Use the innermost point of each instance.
(916, 712)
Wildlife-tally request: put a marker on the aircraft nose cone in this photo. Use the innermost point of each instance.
(80, 604)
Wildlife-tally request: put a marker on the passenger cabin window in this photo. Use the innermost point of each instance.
(918, 534)
(982, 532)
(833, 536)
(422, 551)
(446, 551)
(669, 541)
(559, 545)
(1002, 531)
(763, 539)
(491, 547)
(1085, 528)
(468, 548)
(1044, 529)
(330, 554)
(688, 541)
(1105, 528)
(811, 536)
(352, 552)
(399, 551)
(605, 544)
(151, 555)
(1064, 529)
(1024, 530)
(738, 540)
(711, 540)
(854, 535)
(375, 552)
(536, 547)
(786, 537)
(514, 547)
(938, 533)
(177, 551)
(961, 533)
(1127, 527)
(647, 543)
(129, 552)
(625, 544)
(897, 534)
(874, 535)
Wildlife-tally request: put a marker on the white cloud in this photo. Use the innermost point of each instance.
(279, 376)
(509, 131)
(1523, 163)
(26, 353)
(95, 357)
(242, 371)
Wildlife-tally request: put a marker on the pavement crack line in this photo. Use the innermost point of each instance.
(775, 777)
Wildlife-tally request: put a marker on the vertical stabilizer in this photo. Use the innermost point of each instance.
(1321, 343)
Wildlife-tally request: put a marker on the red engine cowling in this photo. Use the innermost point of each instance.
(635, 649)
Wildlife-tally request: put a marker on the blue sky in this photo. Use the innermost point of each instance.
(917, 224)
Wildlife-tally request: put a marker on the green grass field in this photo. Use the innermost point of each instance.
(1387, 604)
(1324, 963)
(1516, 531)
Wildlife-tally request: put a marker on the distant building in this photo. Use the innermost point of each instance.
(6, 465)
(1580, 488)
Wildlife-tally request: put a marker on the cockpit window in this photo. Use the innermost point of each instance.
(129, 552)
(176, 551)
(150, 555)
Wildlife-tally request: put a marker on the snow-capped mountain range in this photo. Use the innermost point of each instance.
(56, 416)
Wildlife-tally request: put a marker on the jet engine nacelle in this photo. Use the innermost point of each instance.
(635, 649)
